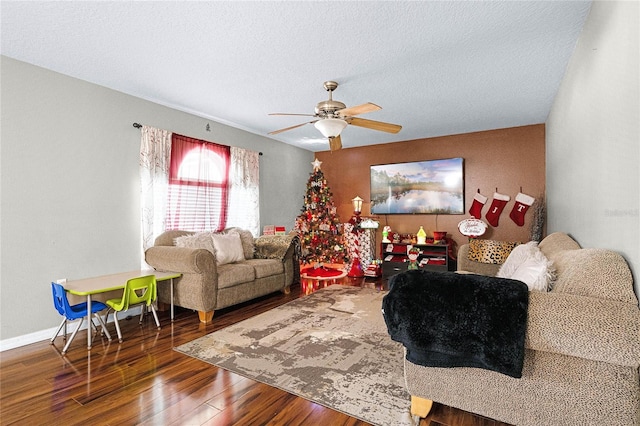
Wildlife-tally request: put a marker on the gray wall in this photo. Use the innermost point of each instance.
(593, 136)
(70, 193)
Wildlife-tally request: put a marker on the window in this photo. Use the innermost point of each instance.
(198, 185)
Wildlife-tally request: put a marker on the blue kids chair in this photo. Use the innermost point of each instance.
(71, 313)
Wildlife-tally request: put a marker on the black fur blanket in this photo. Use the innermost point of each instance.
(446, 319)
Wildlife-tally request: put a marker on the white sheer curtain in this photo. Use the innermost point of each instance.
(155, 152)
(244, 191)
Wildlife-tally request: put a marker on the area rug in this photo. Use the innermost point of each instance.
(330, 347)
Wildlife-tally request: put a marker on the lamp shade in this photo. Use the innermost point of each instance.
(330, 127)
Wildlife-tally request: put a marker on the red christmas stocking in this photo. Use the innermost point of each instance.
(476, 207)
(497, 205)
(523, 202)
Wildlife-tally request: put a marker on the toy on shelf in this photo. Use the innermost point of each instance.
(413, 254)
(385, 234)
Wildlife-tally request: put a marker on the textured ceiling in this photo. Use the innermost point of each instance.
(436, 68)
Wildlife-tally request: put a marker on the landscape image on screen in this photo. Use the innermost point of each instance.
(423, 187)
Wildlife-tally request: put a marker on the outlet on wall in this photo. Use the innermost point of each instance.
(61, 281)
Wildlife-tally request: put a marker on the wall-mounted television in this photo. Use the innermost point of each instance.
(422, 187)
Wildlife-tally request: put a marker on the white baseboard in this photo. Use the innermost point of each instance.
(26, 339)
(39, 336)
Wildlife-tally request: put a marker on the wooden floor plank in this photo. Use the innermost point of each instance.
(145, 381)
(180, 405)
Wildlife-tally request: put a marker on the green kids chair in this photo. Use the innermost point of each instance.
(137, 291)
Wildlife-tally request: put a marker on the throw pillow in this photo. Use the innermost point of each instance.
(246, 237)
(529, 265)
(198, 240)
(490, 251)
(228, 248)
(516, 258)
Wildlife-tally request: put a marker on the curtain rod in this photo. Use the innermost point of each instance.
(139, 126)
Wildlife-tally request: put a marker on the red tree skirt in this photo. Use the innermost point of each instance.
(322, 273)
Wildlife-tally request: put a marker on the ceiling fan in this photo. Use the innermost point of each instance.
(334, 116)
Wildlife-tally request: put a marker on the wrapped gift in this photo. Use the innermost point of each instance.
(269, 230)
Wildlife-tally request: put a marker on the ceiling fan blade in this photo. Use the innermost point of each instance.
(374, 125)
(275, 132)
(359, 109)
(287, 113)
(335, 143)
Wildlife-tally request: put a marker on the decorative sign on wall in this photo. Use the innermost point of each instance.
(472, 227)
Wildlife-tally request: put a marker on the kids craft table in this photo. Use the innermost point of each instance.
(102, 284)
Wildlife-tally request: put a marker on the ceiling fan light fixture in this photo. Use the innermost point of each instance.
(330, 127)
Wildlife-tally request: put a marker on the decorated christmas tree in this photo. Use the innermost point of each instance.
(318, 225)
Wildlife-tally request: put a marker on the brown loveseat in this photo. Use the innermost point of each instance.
(582, 349)
(268, 265)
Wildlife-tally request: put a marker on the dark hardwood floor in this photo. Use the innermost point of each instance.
(144, 381)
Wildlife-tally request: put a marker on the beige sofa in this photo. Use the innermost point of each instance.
(582, 349)
(269, 265)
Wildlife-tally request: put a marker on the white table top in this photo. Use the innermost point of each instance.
(86, 286)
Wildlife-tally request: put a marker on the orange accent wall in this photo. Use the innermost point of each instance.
(506, 159)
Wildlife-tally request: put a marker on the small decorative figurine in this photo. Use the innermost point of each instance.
(422, 236)
(385, 234)
(413, 254)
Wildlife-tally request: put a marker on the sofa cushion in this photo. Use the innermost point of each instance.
(556, 243)
(266, 267)
(228, 248)
(235, 273)
(168, 238)
(591, 272)
(490, 251)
